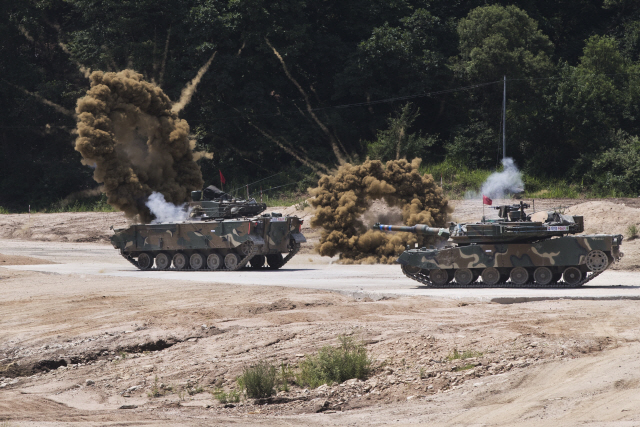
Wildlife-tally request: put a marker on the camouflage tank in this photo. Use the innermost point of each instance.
(517, 250)
(220, 233)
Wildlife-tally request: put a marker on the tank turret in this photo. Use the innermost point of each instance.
(516, 250)
(213, 203)
(514, 226)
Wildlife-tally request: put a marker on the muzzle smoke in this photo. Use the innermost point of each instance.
(137, 144)
(165, 211)
(341, 200)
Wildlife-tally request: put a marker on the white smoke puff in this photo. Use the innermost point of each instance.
(500, 184)
(509, 181)
(165, 211)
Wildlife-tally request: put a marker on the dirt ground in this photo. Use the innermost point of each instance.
(91, 350)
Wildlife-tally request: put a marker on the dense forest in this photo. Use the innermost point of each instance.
(297, 87)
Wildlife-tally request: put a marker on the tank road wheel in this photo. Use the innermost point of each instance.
(163, 261)
(196, 261)
(542, 276)
(463, 276)
(410, 269)
(572, 276)
(275, 261)
(597, 261)
(145, 261)
(490, 276)
(214, 261)
(439, 277)
(519, 276)
(257, 261)
(179, 261)
(231, 261)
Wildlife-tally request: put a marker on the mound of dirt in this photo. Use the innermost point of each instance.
(604, 217)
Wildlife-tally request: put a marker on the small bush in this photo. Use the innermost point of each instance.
(331, 364)
(632, 232)
(3, 211)
(467, 354)
(286, 374)
(155, 391)
(232, 397)
(258, 381)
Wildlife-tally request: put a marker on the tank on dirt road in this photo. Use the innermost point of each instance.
(219, 233)
(516, 250)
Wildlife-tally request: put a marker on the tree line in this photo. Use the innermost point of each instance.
(298, 86)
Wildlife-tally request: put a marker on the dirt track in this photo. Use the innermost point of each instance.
(562, 362)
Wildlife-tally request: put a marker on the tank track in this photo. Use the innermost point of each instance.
(424, 279)
(243, 262)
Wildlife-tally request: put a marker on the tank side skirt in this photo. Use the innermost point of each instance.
(424, 279)
(292, 252)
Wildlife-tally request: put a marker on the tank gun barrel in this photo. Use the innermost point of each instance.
(416, 229)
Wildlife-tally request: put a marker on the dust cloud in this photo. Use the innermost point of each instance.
(343, 199)
(136, 144)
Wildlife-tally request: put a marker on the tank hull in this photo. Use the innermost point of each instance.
(247, 238)
(589, 254)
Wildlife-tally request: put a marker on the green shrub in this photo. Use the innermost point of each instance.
(231, 397)
(3, 211)
(258, 381)
(632, 232)
(332, 364)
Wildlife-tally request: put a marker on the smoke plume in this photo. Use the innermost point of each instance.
(499, 184)
(136, 143)
(165, 211)
(190, 88)
(342, 198)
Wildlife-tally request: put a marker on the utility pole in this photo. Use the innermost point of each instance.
(504, 120)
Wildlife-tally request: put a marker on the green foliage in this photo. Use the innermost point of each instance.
(396, 142)
(335, 364)
(258, 381)
(466, 354)
(89, 204)
(618, 168)
(496, 41)
(223, 397)
(456, 178)
(268, 101)
(632, 232)
(286, 374)
(4, 211)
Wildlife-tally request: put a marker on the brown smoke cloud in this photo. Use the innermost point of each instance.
(342, 198)
(136, 143)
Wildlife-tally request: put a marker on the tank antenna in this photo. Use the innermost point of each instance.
(504, 118)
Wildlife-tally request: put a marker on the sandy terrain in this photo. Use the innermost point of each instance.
(99, 350)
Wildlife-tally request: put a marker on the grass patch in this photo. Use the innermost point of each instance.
(632, 232)
(223, 397)
(195, 390)
(467, 354)
(3, 211)
(156, 390)
(89, 204)
(458, 179)
(258, 381)
(335, 364)
(285, 199)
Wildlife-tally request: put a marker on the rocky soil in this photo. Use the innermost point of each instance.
(95, 350)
